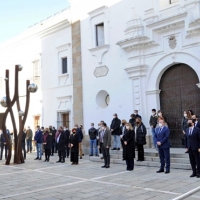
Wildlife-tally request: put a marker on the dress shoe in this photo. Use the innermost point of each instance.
(63, 161)
(36, 158)
(58, 161)
(198, 175)
(72, 164)
(91, 155)
(107, 166)
(97, 155)
(167, 172)
(114, 149)
(45, 160)
(103, 166)
(193, 175)
(160, 171)
(118, 149)
(101, 157)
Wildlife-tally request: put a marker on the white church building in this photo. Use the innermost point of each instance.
(102, 57)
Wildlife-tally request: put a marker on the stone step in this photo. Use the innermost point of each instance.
(153, 154)
(156, 159)
(144, 163)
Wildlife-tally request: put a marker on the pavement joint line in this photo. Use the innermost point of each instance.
(116, 174)
(39, 190)
(187, 194)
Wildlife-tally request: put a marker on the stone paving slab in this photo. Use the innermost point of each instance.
(39, 180)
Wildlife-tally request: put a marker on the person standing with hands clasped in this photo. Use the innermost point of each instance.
(163, 145)
(192, 144)
(74, 145)
(116, 131)
(105, 144)
(129, 146)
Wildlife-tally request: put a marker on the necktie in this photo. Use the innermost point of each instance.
(160, 130)
(190, 132)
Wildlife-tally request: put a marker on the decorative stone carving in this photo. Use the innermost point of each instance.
(172, 42)
(136, 71)
(101, 71)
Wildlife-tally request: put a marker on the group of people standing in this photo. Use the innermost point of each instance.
(61, 140)
(126, 134)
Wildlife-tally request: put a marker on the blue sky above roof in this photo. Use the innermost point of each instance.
(17, 15)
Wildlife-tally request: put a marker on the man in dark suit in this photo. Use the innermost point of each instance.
(67, 134)
(105, 144)
(61, 142)
(116, 131)
(192, 144)
(3, 143)
(162, 140)
(80, 134)
(197, 124)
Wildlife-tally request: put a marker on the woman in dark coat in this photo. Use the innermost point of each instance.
(47, 142)
(129, 146)
(74, 145)
(123, 129)
(140, 138)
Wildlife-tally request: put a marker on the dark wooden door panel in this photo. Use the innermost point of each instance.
(179, 92)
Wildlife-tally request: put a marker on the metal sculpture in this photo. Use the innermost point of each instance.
(22, 115)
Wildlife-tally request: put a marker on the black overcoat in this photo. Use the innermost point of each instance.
(74, 139)
(129, 149)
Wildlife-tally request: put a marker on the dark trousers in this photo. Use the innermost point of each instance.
(61, 154)
(164, 158)
(6, 150)
(47, 154)
(74, 157)
(106, 154)
(140, 152)
(24, 149)
(130, 164)
(53, 148)
(194, 161)
(99, 145)
(67, 151)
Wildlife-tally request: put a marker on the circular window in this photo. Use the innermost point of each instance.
(103, 99)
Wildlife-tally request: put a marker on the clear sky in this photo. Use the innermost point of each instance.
(17, 15)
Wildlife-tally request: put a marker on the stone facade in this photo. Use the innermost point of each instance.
(77, 74)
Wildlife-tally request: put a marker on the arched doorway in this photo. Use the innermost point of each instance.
(179, 92)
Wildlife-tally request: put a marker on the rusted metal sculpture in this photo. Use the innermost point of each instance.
(22, 116)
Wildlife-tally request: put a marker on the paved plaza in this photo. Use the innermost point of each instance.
(53, 181)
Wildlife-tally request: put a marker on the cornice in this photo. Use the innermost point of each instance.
(153, 92)
(136, 71)
(136, 43)
(98, 11)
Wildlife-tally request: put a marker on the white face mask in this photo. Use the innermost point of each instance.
(160, 124)
(153, 113)
(159, 114)
(185, 115)
(127, 127)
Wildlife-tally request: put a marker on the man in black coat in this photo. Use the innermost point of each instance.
(153, 122)
(116, 131)
(61, 142)
(93, 133)
(80, 134)
(53, 144)
(3, 143)
(67, 134)
(192, 144)
(132, 120)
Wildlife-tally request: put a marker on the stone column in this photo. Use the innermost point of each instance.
(77, 74)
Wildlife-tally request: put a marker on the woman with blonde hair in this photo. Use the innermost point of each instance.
(129, 146)
(47, 142)
(140, 138)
